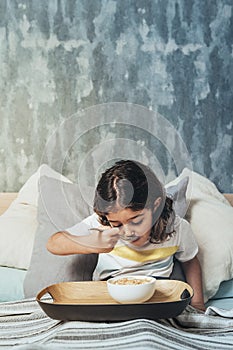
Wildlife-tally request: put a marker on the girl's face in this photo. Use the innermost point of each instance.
(138, 223)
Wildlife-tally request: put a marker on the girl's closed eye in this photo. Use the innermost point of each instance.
(137, 223)
(118, 226)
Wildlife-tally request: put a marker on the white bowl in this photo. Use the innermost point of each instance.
(123, 291)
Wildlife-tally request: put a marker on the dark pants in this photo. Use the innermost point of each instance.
(177, 272)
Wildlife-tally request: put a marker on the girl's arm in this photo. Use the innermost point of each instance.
(193, 275)
(63, 243)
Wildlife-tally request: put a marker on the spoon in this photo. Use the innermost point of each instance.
(123, 237)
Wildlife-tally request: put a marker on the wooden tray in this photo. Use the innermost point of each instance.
(90, 301)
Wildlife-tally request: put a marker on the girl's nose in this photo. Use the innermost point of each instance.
(127, 231)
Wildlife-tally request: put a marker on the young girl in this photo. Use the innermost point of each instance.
(141, 233)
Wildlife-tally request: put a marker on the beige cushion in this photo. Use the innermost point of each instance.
(19, 223)
(211, 218)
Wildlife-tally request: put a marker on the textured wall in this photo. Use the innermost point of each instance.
(172, 56)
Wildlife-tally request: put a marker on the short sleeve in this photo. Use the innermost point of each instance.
(188, 247)
(82, 227)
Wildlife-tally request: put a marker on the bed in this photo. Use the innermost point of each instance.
(23, 323)
(12, 278)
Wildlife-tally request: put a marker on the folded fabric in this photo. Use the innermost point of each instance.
(215, 311)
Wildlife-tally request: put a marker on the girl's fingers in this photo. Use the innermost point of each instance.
(106, 236)
(115, 230)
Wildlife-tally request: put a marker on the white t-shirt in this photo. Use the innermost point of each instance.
(150, 259)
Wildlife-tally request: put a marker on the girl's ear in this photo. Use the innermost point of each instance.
(157, 203)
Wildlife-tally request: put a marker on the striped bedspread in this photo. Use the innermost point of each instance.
(23, 325)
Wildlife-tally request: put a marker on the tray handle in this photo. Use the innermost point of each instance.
(42, 293)
(185, 294)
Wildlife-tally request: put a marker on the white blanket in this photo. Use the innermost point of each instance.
(23, 325)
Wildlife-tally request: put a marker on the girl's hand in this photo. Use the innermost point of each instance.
(105, 239)
(101, 240)
(199, 306)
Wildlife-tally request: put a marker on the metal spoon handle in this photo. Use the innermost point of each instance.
(124, 238)
(97, 229)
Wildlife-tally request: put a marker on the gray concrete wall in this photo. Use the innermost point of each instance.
(172, 56)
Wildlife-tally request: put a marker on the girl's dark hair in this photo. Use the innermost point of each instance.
(131, 185)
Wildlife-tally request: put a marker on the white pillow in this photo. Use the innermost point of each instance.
(29, 192)
(19, 223)
(211, 218)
